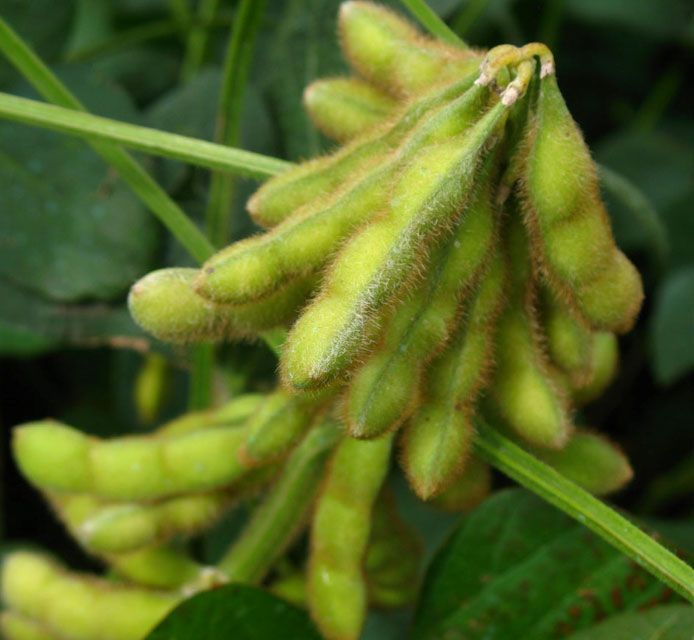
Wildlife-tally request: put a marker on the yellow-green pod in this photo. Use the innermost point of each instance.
(385, 389)
(569, 340)
(313, 185)
(279, 424)
(604, 362)
(344, 108)
(108, 528)
(15, 626)
(468, 490)
(150, 387)
(437, 439)
(374, 264)
(290, 587)
(56, 457)
(79, 607)
(591, 461)
(165, 305)
(340, 534)
(388, 51)
(165, 568)
(255, 268)
(569, 227)
(527, 392)
(393, 558)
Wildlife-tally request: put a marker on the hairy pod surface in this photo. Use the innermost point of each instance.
(591, 461)
(437, 439)
(425, 202)
(385, 389)
(340, 534)
(75, 607)
(604, 362)
(569, 226)
(56, 457)
(468, 490)
(388, 51)
(345, 108)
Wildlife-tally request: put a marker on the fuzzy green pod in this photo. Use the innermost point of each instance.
(385, 389)
(437, 439)
(340, 534)
(165, 568)
(56, 457)
(569, 340)
(108, 528)
(374, 264)
(164, 304)
(15, 626)
(393, 558)
(604, 362)
(591, 461)
(256, 267)
(568, 224)
(77, 607)
(527, 391)
(313, 185)
(280, 423)
(345, 108)
(468, 490)
(391, 53)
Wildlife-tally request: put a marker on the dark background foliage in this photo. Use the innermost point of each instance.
(72, 238)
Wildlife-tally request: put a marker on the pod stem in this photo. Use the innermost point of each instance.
(612, 527)
(282, 513)
(430, 20)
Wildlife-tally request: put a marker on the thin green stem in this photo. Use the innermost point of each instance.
(159, 143)
(201, 377)
(433, 23)
(589, 511)
(467, 16)
(154, 197)
(196, 44)
(279, 518)
(236, 68)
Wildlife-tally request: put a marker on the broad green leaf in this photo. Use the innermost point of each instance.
(669, 622)
(518, 568)
(235, 611)
(673, 327)
(70, 229)
(31, 324)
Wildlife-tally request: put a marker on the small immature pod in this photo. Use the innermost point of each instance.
(569, 227)
(604, 362)
(526, 390)
(56, 457)
(108, 528)
(313, 185)
(591, 461)
(279, 424)
(165, 305)
(344, 108)
(150, 387)
(569, 341)
(388, 51)
(373, 266)
(74, 606)
(385, 389)
(340, 535)
(393, 557)
(164, 568)
(437, 439)
(469, 490)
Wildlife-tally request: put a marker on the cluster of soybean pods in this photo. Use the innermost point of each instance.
(451, 260)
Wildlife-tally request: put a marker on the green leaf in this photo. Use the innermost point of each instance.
(671, 622)
(30, 324)
(235, 611)
(518, 568)
(71, 229)
(673, 328)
